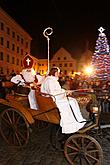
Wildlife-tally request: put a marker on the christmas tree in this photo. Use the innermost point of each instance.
(101, 57)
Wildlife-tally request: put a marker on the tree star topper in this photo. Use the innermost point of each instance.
(101, 29)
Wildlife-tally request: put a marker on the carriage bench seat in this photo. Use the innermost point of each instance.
(48, 110)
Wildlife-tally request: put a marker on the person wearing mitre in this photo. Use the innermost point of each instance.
(29, 77)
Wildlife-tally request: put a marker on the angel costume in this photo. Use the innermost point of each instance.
(68, 122)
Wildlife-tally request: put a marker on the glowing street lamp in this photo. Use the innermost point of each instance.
(47, 32)
(88, 70)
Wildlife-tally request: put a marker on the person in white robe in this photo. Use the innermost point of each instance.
(68, 122)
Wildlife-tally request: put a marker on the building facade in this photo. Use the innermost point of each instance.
(42, 66)
(64, 61)
(14, 44)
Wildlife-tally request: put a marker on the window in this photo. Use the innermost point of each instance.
(1, 70)
(13, 60)
(1, 40)
(8, 58)
(1, 56)
(17, 49)
(8, 44)
(8, 30)
(58, 58)
(53, 64)
(60, 65)
(13, 47)
(2, 26)
(65, 72)
(71, 65)
(7, 71)
(64, 58)
(26, 44)
(13, 34)
(21, 63)
(65, 65)
(22, 40)
(72, 71)
(42, 64)
(17, 37)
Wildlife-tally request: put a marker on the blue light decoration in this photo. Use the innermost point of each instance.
(101, 57)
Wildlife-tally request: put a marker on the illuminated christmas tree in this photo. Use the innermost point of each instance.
(101, 57)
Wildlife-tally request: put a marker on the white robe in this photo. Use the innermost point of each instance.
(68, 122)
(29, 76)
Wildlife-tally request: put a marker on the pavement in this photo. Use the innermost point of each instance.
(39, 150)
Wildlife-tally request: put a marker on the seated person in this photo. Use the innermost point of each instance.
(28, 77)
(71, 117)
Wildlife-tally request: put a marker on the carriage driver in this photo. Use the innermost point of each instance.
(29, 76)
(67, 105)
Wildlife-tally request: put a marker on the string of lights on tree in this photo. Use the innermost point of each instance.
(101, 57)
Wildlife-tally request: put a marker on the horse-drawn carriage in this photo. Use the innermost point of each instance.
(16, 118)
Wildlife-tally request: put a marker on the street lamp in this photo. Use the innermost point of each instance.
(47, 32)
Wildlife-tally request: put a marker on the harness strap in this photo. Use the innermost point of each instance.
(74, 113)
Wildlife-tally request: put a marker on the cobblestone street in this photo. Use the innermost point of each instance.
(39, 150)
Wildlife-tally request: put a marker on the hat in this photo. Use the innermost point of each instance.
(28, 61)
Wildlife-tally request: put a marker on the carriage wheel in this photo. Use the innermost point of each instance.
(83, 150)
(14, 127)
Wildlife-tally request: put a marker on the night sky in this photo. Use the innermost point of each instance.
(75, 24)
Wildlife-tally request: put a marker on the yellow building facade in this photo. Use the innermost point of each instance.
(14, 44)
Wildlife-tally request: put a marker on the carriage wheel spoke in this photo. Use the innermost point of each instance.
(17, 137)
(92, 157)
(74, 142)
(71, 147)
(87, 161)
(9, 117)
(6, 121)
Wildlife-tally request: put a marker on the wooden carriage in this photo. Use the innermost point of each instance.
(16, 118)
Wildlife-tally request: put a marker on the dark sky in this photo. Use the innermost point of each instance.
(74, 23)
